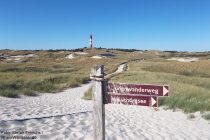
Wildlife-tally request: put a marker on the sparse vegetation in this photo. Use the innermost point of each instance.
(88, 94)
(28, 92)
(51, 72)
(191, 116)
(11, 93)
(189, 93)
(199, 69)
(206, 116)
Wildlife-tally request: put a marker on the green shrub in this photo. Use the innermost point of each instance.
(9, 93)
(73, 83)
(88, 94)
(191, 116)
(76, 81)
(28, 92)
(187, 73)
(41, 86)
(206, 116)
(57, 79)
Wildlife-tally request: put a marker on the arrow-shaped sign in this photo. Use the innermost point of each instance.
(132, 100)
(138, 89)
(165, 91)
(153, 102)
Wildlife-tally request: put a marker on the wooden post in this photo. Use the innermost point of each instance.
(97, 77)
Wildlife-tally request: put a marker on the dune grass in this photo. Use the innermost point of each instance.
(50, 71)
(88, 94)
(198, 69)
(190, 94)
(11, 93)
(206, 116)
(188, 91)
(29, 83)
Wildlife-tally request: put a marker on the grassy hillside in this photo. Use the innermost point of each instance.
(190, 92)
(50, 71)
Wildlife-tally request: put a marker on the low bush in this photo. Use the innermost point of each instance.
(11, 93)
(88, 94)
(191, 116)
(206, 116)
(28, 92)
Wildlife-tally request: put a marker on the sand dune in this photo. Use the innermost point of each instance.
(66, 116)
(44, 105)
(188, 59)
(96, 57)
(70, 56)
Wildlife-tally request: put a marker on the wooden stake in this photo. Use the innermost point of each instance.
(97, 77)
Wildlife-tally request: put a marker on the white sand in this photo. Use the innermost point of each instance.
(31, 55)
(96, 57)
(56, 115)
(44, 105)
(139, 51)
(70, 56)
(65, 115)
(20, 57)
(81, 53)
(189, 59)
(120, 68)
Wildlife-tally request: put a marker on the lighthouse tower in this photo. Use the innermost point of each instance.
(91, 42)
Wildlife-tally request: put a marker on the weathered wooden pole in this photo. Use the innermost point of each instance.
(97, 77)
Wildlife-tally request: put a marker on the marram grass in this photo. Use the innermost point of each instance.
(190, 94)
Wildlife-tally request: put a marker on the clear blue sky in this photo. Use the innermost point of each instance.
(182, 25)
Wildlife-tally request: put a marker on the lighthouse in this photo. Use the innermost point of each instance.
(91, 41)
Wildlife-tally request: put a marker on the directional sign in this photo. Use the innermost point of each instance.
(151, 90)
(132, 100)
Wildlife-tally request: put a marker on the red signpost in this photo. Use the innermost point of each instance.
(132, 100)
(151, 90)
(133, 94)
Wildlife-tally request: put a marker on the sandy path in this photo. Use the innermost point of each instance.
(135, 122)
(45, 105)
(53, 116)
(119, 70)
(122, 123)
